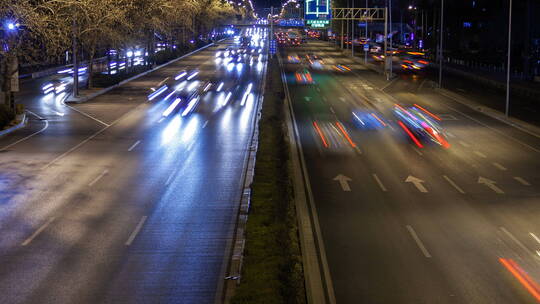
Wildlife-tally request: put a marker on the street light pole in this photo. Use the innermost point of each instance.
(391, 52)
(352, 34)
(367, 37)
(441, 44)
(75, 62)
(507, 112)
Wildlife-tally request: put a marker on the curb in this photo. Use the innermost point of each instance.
(317, 279)
(103, 91)
(15, 127)
(513, 122)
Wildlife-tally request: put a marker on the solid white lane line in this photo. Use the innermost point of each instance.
(87, 115)
(417, 151)
(518, 242)
(169, 179)
(383, 188)
(482, 155)
(451, 182)
(451, 135)
(39, 117)
(418, 242)
(27, 137)
(499, 166)
(136, 231)
(204, 125)
(522, 181)
(35, 234)
(535, 237)
(466, 145)
(388, 84)
(134, 145)
(73, 148)
(98, 178)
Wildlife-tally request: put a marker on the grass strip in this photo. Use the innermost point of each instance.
(272, 270)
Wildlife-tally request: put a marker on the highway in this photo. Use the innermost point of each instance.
(406, 222)
(129, 200)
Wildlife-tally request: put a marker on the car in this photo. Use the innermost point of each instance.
(223, 52)
(420, 125)
(303, 76)
(55, 86)
(315, 61)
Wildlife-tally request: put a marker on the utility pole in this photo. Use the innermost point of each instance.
(441, 44)
(386, 42)
(367, 36)
(348, 39)
(507, 112)
(75, 62)
(391, 34)
(352, 34)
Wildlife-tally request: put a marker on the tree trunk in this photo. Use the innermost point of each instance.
(90, 82)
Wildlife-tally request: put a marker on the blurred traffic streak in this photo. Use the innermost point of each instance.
(367, 120)
(303, 76)
(419, 126)
(315, 61)
(523, 277)
(333, 136)
(341, 68)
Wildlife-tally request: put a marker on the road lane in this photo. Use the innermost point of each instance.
(182, 179)
(373, 256)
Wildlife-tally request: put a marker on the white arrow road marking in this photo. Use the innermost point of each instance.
(522, 181)
(35, 234)
(307, 98)
(417, 183)
(418, 241)
(383, 188)
(499, 166)
(98, 178)
(482, 155)
(136, 231)
(343, 182)
(451, 182)
(342, 99)
(332, 110)
(490, 184)
(134, 145)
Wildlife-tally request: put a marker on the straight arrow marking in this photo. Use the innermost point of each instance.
(417, 183)
(490, 184)
(343, 182)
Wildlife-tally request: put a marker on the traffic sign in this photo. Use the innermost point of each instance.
(317, 9)
(366, 47)
(318, 23)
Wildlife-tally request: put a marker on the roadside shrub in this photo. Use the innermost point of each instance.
(6, 116)
(19, 109)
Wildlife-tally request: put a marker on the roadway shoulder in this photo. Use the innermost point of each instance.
(21, 124)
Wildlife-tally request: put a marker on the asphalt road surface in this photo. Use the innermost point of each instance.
(113, 201)
(408, 224)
